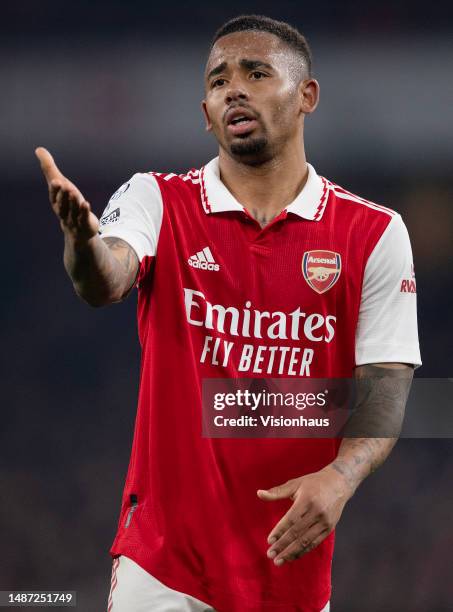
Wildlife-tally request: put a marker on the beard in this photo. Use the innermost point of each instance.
(251, 151)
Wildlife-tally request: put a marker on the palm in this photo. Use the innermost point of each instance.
(73, 211)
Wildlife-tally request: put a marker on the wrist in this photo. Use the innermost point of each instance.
(78, 242)
(78, 256)
(77, 239)
(345, 475)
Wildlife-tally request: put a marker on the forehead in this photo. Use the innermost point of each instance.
(250, 45)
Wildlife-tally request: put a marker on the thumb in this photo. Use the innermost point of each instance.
(48, 166)
(279, 492)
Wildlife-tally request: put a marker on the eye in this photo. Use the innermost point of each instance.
(257, 75)
(217, 83)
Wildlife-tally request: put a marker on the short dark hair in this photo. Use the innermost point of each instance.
(289, 35)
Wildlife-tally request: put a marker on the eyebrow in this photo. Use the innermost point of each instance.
(252, 64)
(244, 63)
(217, 70)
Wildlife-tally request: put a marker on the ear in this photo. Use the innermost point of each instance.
(204, 108)
(309, 95)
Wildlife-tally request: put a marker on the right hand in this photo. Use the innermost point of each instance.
(74, 212)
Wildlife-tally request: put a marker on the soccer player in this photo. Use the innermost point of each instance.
(252, 266)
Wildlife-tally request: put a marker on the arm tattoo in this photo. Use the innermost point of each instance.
(374, 428)
(128, 260)
(121, 277)
(381, 395)
(103, 270)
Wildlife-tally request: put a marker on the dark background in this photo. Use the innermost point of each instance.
(112, 88)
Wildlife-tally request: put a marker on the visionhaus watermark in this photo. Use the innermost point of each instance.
(324, 408)
(252, 401)
(273, 408)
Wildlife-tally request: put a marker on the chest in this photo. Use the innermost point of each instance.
(290, 263)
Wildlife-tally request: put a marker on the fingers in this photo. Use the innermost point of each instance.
(48, 166)
(287, 532)
(61, 202)
(67, 204)
(61, 193)
(290, 526)
(80, 214)
(54, 187)
(66, 200)
(302, 528)
(64, 196)
(301, 545)
(85, 217)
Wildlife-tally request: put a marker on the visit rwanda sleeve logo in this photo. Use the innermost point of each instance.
(321, 269)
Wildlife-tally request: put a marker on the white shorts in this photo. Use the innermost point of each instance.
(134, 590)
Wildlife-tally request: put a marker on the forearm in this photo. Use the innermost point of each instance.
(373, 430)
(102, 270)
(358, 457)
(98, 276)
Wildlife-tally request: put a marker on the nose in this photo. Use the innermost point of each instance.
(235, 93)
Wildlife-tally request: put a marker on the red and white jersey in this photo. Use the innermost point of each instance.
(326, 286)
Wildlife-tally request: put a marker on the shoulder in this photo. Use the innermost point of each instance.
(175, 188)
(351, 203)
(149, 185)
(191, 177)
(378, 228)
(157, 179)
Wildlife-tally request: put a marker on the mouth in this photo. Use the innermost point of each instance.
(240, 121)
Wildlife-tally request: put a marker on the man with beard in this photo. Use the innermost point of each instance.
(252, 255)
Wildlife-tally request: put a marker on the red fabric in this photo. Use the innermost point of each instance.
(199, 526)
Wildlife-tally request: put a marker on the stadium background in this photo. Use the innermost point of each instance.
(112, 88)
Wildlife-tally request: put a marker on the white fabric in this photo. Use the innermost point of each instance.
(387, 325)
(134, 213)
(220, 199)
(135, 590)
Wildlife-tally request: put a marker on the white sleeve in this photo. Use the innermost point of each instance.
(387, 324)
(134, 213)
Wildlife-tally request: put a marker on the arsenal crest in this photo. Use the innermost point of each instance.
(321, 269)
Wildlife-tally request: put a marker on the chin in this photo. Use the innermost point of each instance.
(251, 151)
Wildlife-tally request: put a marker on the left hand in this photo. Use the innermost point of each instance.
(319, 500)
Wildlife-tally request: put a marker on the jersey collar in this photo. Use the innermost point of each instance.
(309, 204)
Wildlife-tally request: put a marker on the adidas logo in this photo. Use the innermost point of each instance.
(203, 260)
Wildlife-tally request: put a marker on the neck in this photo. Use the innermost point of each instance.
(267, 189)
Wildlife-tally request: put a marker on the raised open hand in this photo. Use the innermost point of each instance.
(74, 212)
